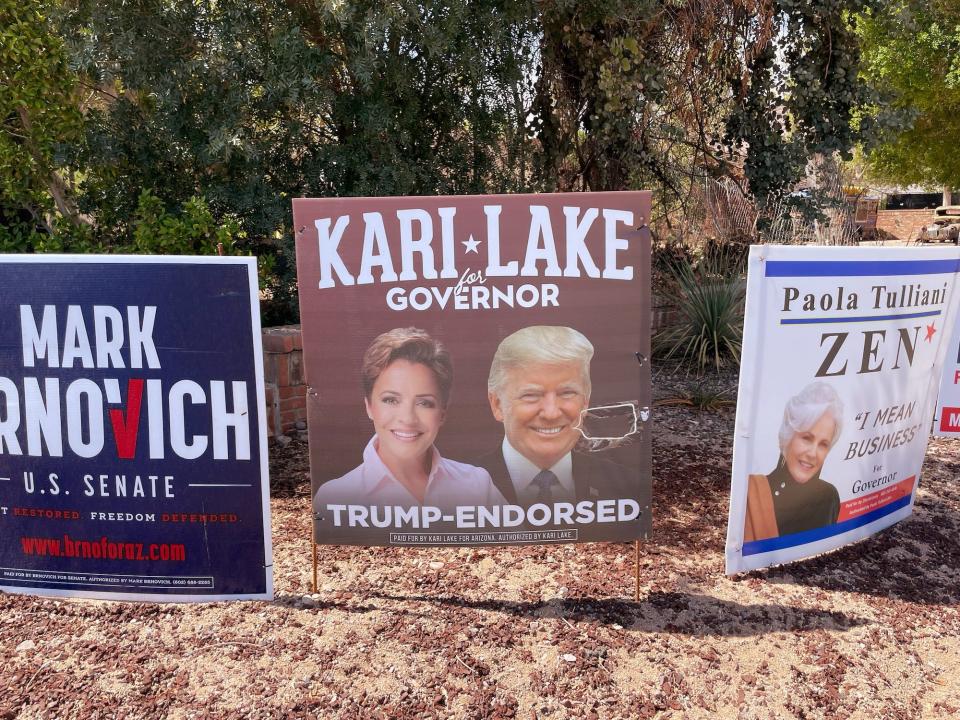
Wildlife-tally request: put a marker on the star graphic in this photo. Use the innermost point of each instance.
(471, 245)
(931, 329)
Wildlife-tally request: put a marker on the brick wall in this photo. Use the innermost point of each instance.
(902, 225)
(286, 392)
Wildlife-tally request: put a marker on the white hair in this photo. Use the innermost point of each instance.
(804, 409)
(545, 344)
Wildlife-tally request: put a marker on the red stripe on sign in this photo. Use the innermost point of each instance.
(950, 419)
(859, 506)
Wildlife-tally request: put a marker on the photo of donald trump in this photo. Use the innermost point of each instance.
(538, 387)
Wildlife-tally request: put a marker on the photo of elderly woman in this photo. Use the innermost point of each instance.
(793, 497)
(407, 377)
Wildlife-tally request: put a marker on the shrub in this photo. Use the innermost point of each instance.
(709, 293)
(193, 231)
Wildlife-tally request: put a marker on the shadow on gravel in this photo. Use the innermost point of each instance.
(916, 560)
(692, 614)
(661, 612)
(296, 602)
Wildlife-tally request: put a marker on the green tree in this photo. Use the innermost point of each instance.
(39, 112)
(660, 94)
(205, 117)
(912, 57)
(249, 103)
(799, 92)
(635, 94)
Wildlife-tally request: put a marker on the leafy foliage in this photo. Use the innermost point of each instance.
(709, 296)
(193, 232)
(800, 92)
(635, 94)
(163, 125)
(39, 113)
(912, 58)
(249, 104)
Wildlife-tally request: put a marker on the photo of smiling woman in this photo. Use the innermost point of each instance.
(407, 377)
(793, 498)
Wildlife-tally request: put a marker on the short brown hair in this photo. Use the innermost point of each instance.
(410, 344)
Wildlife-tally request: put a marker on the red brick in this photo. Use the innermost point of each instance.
(277, 343)
(284, 399)
(288, 420)
(270, 367)
(272, 406)
(283, 371)
(293, 391)
(282, 339)
(295, 367)
(904, 225)
(294, 403)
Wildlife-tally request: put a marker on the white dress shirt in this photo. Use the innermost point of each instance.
(522, 472)
(449, 484)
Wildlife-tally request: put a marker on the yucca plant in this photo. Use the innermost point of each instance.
(709, 295)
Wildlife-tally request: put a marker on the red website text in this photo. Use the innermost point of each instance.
(102, 549)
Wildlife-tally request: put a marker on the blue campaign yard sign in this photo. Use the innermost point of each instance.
(133, 460)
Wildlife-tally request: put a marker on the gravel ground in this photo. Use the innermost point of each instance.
(870, 631)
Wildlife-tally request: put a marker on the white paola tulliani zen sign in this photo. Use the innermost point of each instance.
(842, 351)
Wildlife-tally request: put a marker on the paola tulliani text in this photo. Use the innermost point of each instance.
(585, 512)
(50, 416)
(871, 349)
(428, 248)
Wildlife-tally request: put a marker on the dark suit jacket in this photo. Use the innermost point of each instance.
(594, 478)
